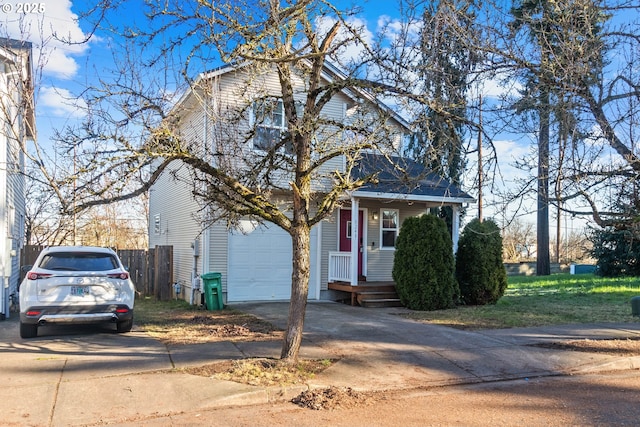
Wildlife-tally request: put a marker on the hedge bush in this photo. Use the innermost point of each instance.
(480, 270)
(423, 267)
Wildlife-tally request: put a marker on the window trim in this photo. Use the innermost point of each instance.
(257, 124)
(396, 229)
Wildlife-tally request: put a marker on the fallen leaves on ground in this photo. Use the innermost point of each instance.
(332, 398)
(273, 372)
(618, 347)
(185, 327)
(262, 371)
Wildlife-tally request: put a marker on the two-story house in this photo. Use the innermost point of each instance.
(356, 243)
(17, 126)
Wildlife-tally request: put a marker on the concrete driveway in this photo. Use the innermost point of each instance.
(380, 350)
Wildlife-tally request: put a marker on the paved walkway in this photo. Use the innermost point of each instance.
(84, 377)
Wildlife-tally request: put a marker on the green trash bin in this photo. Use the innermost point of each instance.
(212, 284)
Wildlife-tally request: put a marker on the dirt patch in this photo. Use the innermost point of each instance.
(262, 371)
(273, 372)
(617, 347)
(180, 328)
(333, 398)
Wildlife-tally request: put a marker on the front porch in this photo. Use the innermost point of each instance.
(368, 294)
(342, 278)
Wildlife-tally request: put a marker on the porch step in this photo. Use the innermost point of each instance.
(386, 302)
(371, 294)
(382, 298)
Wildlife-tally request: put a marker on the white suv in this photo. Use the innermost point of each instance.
(76, 284)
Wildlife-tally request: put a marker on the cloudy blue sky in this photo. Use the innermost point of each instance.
(63, 70)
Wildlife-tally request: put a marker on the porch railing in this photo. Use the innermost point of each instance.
(339, 266)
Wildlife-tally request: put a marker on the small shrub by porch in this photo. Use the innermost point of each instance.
(423, 268)
(480, 271)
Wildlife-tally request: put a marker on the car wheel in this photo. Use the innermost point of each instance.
(28, 330)
(124, 326)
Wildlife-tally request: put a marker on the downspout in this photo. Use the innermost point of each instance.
(206, 233)
(318, 260)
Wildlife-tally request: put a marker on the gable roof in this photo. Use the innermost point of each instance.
(330, 73)
(399, 178)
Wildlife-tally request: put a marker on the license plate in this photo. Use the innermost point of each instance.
(79, 291)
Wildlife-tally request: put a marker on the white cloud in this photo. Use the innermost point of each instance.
(352, 51)
(497, 87)
(394, 29)
(45, 27)
(499, 180)
(60, 103)
(507, 153)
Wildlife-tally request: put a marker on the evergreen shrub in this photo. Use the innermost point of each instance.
(423, 268)
(617, 250)
(480, 269)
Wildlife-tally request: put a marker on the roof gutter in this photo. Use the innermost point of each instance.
(411, 197)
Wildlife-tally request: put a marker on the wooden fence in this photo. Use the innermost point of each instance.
(151, 270)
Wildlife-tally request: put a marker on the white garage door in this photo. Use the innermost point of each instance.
(260, 265)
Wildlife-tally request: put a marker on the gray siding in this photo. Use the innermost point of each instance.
(172, 200)
(218, 259)
(15, 71)
(16, 224)
(380, 261)
(329, 236)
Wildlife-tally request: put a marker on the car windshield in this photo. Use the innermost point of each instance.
(79, 261)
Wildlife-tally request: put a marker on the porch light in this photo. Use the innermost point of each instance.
(374, 215)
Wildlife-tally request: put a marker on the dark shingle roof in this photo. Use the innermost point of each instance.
(405, 178)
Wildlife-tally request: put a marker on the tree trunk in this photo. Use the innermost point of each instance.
(301, 238)
(543, 263)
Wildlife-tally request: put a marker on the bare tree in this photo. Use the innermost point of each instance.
(574, 246)
(132, 136)
(518, 241)
(575, 88)
(44, 222)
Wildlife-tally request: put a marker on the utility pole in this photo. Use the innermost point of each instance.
(75, 175)
(480, 162)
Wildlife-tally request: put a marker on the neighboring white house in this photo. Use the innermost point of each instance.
(16, 127)
(356, 242)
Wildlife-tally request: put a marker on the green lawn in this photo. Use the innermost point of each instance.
(555, 299)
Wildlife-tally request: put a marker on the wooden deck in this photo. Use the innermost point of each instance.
(369, 294)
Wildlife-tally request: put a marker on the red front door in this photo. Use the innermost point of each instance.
(345, 235)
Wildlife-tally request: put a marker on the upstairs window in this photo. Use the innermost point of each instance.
(388, 228)
(270, 125)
